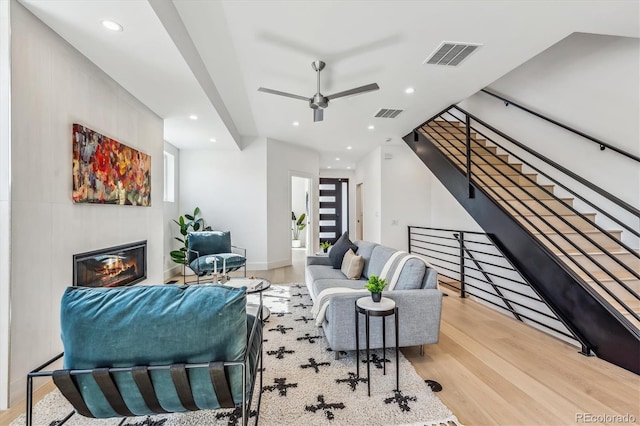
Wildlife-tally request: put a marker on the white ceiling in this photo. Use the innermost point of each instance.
(251, 43)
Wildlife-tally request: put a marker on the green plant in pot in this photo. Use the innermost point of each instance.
(375, 286)
(297, 225)
(187, 223)
(325, 246)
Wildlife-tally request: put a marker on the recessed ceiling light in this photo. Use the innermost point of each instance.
(409, 90)
(212, 140)
(337, 158)
(193, 117)
(349, 147)
(111, 25)
(328, 167)
(371, 127)
(348, 167)
(295, 123)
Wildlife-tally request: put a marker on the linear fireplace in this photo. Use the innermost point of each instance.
(112, 266)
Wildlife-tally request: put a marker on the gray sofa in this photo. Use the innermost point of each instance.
(416, 294)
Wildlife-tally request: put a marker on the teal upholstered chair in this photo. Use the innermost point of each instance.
(210, 252)
(145, 350)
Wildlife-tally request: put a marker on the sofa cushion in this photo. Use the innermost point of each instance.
(207, 242)
(379, 258)
(153, 325)
(352, 265)
(412, 275)
(205, 264)
(336, 254)
(365, 248)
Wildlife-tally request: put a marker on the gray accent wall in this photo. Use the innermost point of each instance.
(53, 86)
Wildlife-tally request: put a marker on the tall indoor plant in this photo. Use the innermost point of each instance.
(298, 224)
(187, 223)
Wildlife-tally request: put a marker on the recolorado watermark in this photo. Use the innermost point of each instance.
(605, 418)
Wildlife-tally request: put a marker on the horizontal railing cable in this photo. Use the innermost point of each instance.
(553, 213)
(569, 257)
(564, 126)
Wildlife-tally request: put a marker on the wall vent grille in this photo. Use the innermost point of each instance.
(451, 53)
(388, 113)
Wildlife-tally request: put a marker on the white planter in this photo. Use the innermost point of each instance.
(295, 243)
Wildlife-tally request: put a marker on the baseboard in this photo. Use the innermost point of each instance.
(279, 263)
(263, 266)
(176, 270)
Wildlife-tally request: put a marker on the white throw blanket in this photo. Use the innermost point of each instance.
(319, 309)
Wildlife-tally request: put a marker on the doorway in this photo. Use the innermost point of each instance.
(301, 241)
(334, 208)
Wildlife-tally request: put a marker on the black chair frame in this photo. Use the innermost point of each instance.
(62, 379)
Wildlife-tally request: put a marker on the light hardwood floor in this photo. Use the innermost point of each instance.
(497, 371)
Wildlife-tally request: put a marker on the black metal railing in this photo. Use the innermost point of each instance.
(470, 263)
(603, 145)
(492, 172)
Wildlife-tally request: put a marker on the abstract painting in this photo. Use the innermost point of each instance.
(107, 172)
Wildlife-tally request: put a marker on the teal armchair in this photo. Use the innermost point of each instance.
(211, 252)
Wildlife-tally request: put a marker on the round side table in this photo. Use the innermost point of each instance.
(386, 307)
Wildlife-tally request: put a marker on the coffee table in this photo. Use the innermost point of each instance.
(253, 285)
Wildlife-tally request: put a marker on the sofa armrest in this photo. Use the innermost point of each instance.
(419, 313)
(318, 260)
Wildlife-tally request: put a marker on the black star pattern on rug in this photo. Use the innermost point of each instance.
(280, 314)
(401, 400)
(302, 306)
(435, 386)
(299, 295)
(322, 405)
(146, 422)
(297, 286)
(376, 360)
(303, 318)
(314, 364)
(353, 381)
(279, 354)
(235, 416)
(309, 338)
(281, 328)
(280, 385)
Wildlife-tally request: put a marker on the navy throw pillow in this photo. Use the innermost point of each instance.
(336, 254)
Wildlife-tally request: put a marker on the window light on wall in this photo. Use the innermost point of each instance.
(169, 177)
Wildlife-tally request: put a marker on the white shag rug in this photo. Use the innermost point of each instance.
(302, 384)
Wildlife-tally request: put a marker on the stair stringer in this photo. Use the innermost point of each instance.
(594, 322)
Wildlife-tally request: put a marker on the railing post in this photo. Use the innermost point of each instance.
(471, 192)
(463, 292)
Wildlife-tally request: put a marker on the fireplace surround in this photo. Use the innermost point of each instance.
(112, 266)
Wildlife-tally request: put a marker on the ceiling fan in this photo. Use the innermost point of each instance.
(318, 101)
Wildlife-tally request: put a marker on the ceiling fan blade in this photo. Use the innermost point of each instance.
(356, 91)
(318, 114)
(288, 95)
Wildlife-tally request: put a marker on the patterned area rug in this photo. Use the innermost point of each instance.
(303, 384)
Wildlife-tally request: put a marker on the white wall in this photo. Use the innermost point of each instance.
(587, 81)
(54, 86)
(405, 194)
(369, 174)
(170, 211)
(285, 160)
(5, 199)
(230, 187)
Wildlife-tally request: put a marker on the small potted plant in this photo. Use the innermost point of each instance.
(375, 286)
(325, 246)
(297, 224)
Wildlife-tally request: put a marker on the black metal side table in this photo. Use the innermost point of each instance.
(384, 308)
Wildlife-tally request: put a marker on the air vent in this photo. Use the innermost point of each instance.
(388, 113)
(451, 53)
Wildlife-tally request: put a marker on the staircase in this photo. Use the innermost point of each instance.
(601, 267)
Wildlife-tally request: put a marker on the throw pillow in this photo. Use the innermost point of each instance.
(352, 265)
(339, 249)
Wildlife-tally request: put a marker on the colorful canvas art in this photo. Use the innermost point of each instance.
(108, 172)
